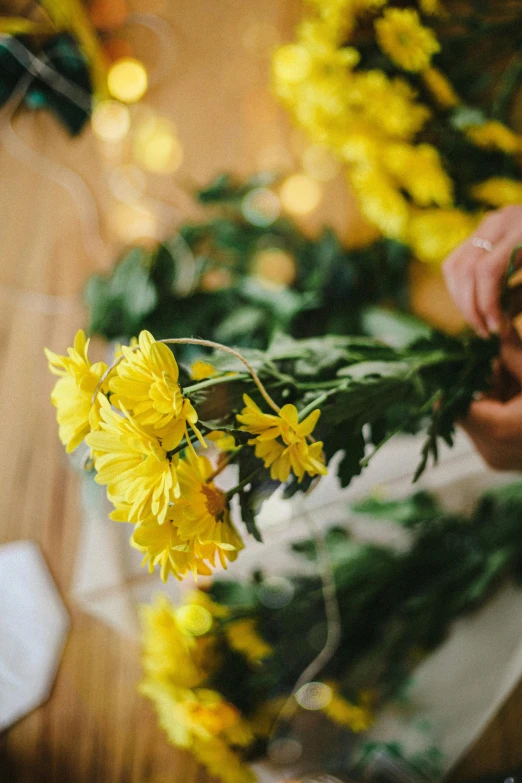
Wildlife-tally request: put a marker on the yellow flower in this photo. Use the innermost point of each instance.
(202, 722)
(168, 652)
(202, 514)
(201, 370)
(380, 201)
(498, 191)
(496, 136)
(357, 718)
(432, 7)
(405, 40)
(433, 234)
(222, 762)
(281, 440)
(243, 637)
(419, 171)
(440, 88)
(72, 393)
(176, 667)
(389, 105)
(163, 547)
(203, 599)
(133, 465)
(196, 533)
(223, 440)
(147, 386)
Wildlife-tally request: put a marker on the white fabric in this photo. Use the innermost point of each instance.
(457, 690)
(33, 629)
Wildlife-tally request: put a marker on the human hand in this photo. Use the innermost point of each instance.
(474, 275)
(494, 424)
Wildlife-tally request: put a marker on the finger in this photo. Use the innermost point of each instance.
(485, 418)
(489, 275)
(511, 355)
(460, 275)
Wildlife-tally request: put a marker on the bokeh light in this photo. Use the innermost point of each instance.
(275, 157)
(320, 164)
(127, 80)
(276, 592)
(275, 266)
(314, 696)
(195, 620)
(110, 121)
(292, 63)
(133, 223)
(127, 182)
(261, 207)
(216, 279)
(300, 194)
(156, 146)
(285, 750)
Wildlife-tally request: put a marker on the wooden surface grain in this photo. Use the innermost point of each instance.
(95, 728)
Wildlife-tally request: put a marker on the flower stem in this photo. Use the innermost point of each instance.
(214, 382)
(239, 487)
(219, 347)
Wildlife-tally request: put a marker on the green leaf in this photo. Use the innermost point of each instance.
(419, 508)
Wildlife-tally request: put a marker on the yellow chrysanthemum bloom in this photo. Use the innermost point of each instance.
(203, 599)
(197, 533)
(134, 466)
(195, 718)
(380, 201)
(440, 88)
(162, 547)
(433, 234)
(355, 717)
(201, 370)
(243, 637)
(281, 440)
(223, 440)
(498, 192)
(418, 169)
(146, 385)
(493, 135)
(73, 392)
(405, 40)
(168, 652)
(202, 514)
(222, 763)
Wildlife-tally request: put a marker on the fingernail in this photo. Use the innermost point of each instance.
(493, 325)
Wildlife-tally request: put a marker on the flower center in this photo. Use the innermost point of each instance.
(216, 501)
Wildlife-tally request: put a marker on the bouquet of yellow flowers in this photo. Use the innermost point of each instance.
(414, 100)
(279, 416)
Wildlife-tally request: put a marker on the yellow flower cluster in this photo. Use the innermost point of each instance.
(194, 717)
(184, 649)
(371, 120)
(281, 441)
(141, 429)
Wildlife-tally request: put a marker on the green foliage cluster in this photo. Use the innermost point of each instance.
(367, 392)
(396, 604)
(332, 287)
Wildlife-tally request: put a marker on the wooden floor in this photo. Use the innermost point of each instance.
(95, 728)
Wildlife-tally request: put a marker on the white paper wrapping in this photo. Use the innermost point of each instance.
(33, 629)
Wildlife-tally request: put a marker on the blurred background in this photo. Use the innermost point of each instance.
(75, 196)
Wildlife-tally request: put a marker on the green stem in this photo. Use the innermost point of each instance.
(319, 400)
(239, 487)
(215, 382)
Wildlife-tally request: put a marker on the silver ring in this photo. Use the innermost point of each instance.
(483, 244)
